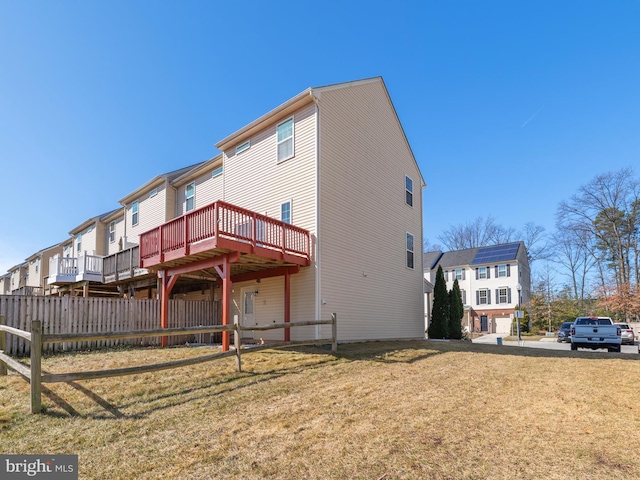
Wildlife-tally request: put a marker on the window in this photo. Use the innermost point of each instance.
(153, 193)
(285, 212)
(408, 195)
(483, 297)
(409, 250)
(37, 264)
(285, 140)
(112, 231)
(190, 196)
(482, 272)
(459, 275)
(216, 172)
(503, 295)
(67, 251)
(503, 271)
(79, 243)
(134, 213)
(463, 295)
(243, 147)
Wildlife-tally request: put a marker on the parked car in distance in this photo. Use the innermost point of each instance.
(564, 334)
(628, 337)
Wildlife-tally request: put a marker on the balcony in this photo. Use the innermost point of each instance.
(220, 228)
(123, 265)
(65, 270)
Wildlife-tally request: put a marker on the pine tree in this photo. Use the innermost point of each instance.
(456, 311)
(440, 311)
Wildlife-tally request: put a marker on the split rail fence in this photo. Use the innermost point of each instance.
(33, 373)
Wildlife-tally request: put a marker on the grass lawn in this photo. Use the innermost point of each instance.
(392, 410)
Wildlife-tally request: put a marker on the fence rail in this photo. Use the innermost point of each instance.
(34, 375)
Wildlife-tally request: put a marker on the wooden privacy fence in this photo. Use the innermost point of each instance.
(33, 372)
(75, 315)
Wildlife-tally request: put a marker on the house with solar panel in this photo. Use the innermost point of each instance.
(493, 280)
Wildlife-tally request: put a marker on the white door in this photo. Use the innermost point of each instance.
(503, 325)
(248, 305)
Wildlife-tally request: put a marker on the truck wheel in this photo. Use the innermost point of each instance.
(575, 347)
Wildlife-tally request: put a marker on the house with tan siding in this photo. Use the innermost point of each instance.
(493, 280)
(5, 284)
(331, 169)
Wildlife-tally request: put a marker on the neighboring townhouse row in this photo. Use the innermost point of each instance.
(312, 209)
(493, 280)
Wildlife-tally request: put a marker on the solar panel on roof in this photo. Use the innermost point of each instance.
(496, 253)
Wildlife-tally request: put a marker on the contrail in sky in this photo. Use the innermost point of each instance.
(531, 117)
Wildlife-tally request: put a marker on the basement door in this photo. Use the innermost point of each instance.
(248, 306)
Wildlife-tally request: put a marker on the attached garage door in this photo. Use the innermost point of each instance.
(503, 325)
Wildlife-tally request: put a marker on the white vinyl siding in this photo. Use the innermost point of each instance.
(363, 164)
(152, 212)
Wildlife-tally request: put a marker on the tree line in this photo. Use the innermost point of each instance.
(590, 264)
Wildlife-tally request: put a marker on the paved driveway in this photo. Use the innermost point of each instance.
(545, 343)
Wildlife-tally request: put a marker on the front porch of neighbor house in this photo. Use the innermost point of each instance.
(228, 244)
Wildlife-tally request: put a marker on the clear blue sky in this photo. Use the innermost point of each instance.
(509, 106)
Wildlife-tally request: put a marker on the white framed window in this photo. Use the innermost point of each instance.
(463, 295)
(408, 194)
(409, 250)
(66, 251)
(217, 172)
(244, 146)
(482, 272)
(285, 140)
(503, 295)
(79, 243)
(459, 274)
(190, 196)
(483, 297)
(134, 213)
(153, 193)
(112, 231)
(285, 212)
(502, 271)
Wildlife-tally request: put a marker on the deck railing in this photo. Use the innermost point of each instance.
(221, 220)
(122, 265)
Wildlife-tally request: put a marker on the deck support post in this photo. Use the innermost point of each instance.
(36, 366)
(287, 305)
(224, 271)
(167, 283)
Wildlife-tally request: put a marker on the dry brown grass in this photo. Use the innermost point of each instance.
(424, 410)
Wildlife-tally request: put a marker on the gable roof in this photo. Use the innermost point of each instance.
(92, 220)
(429, 259)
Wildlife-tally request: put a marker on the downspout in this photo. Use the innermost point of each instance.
(317, 226)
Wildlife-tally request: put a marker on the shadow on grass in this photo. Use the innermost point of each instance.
(383, 352)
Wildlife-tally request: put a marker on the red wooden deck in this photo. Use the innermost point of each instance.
(224, 227)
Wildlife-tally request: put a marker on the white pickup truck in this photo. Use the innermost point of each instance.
(594, 333)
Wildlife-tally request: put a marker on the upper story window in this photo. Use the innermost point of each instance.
(216, 172)
(409, 250)
(37, 264)
(482, 272)
(134, 213)
(408, 186)
(285, 140)
(459, 274)
(285, 212)
(190, 196)
(153, 193)
(79, 243)
(463, 295)
(244, 146)
(67, 251)
(503, 271)
(112, 231)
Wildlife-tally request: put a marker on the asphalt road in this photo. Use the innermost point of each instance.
(549, 344)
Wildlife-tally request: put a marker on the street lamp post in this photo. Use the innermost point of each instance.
(519, 311)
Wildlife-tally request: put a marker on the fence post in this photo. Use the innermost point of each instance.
(3, 345)
(36, 366)
(334, 332)
(236, 342)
